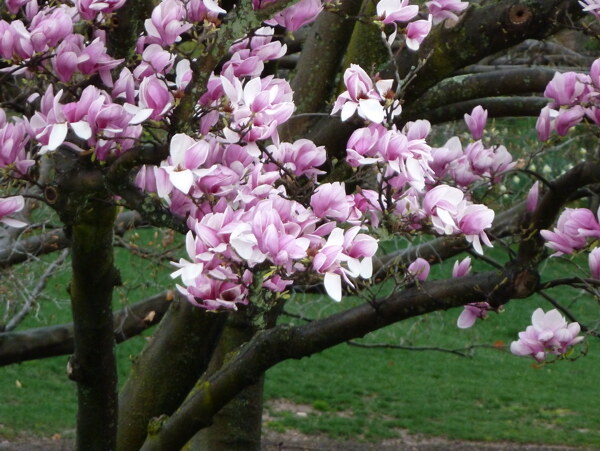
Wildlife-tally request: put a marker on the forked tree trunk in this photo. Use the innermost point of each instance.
(238, 425)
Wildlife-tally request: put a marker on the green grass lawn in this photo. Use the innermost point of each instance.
(367, 394)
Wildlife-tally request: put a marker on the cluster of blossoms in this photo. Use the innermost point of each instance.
(549, 333)
(575, 96)
(243, 223)
(409, 170)
(475, 162)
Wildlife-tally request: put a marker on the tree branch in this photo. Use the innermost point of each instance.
(284, 342)
(52, 341)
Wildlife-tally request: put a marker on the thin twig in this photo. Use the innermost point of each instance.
(31, 299)
(463, 352)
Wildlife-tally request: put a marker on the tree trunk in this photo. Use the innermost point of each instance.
(238, 425)
(93, 364)
(171, 363)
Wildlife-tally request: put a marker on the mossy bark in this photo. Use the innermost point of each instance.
(238, 425)
(93, 364)
(161, 377)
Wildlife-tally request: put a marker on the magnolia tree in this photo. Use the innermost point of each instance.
(284, 140)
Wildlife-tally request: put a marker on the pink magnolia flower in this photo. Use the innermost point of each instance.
(533, 197)
(200, 10)
(154, 94)
(166, 23)
(89, 9)
(462, 268)
(591, 6)
(299, 14)
(594, 263)
(362, 96)
(565, 89)
(330, 200)
(476, 121)
(473, 221)
(15, 40)
(14, 5)
(446, 9)
(389, 11)
(345, 255)
(471, 312)
(419, 269)
(573, 228)
(416, 32)
(155, 60)
(302, 157)
(186, 155)
(549, 333)
(545, 123)
(13, 139)
(9, 206)
(49, 27)
(567, 118)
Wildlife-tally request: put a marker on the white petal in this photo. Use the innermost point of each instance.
(57, 136)
(348, 110)
(182, 180)
(333, 286)
(366, 267)
(371, 109)
(82, 129)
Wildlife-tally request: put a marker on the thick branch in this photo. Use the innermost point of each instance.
(475, 86)
(167, 369)
(57, 340)
(322, 52)
(485, 29)
(514, 106)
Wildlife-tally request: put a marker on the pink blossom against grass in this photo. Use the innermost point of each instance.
(419, 269)
(472, 312)
(476, 121)
(10, 206)
(573, 228)
(462, 268)
(549, 333)
(451, 214)
(594, 263)
(14, 136)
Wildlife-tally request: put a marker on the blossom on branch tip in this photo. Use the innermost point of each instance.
(476, 121)
(549, 333)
